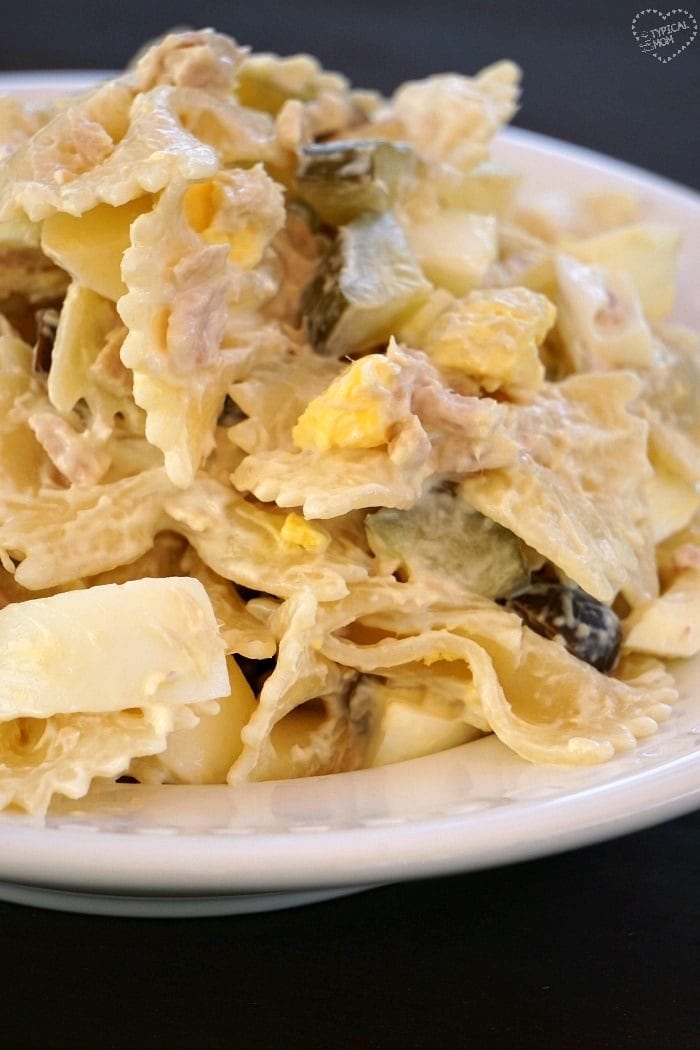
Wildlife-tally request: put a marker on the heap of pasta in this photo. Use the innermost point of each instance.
(320, 447)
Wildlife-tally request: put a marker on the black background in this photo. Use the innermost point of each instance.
(595, 948)
(586, 80)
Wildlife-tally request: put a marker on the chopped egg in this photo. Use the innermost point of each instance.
(360, 408)
(306, 534)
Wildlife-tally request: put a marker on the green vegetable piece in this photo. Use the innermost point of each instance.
(442, 535)
(367, 283)
(341, 180)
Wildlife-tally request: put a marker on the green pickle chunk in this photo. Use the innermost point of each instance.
(341, 180)
(367, 282)
(443, 535)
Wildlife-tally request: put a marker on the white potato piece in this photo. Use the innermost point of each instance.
(204, 753)
(110, 648)
(455, 248)
(670, 625)
(90, 246)
(487, 189)
(407, 730)
(673, 502)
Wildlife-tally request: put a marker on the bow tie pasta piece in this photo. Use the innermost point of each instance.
(27, 276)
(374, 436)
(200, 255)
(472, 109)
(576, 494)
(65, 654)
(302, 725)
(66, 150)
(239, 136)
(61, 535)
(541, 701)
(201, 71)
(302, 728)
(273, 396)
(74, 453)
(552, 707)
(41, 758)
(82, 366)
(600, 318)
(106, 148)
(129, 136)
(250, 545)
(381, 606)
(330, 484)
(242, 632)
(25, 465)
(200, 58)
(405, 663)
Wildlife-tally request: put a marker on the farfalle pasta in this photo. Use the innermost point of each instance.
(321, 447)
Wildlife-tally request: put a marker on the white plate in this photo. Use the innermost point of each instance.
(218, 850)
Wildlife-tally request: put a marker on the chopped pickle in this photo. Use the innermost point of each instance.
(341, 180)
(583, 625)
(443, 535)
(366, 284)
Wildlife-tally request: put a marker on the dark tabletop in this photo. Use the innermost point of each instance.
(599, 947)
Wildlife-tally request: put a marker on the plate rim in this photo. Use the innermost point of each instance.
(225, 864)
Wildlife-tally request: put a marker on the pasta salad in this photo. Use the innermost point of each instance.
(321, 445)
